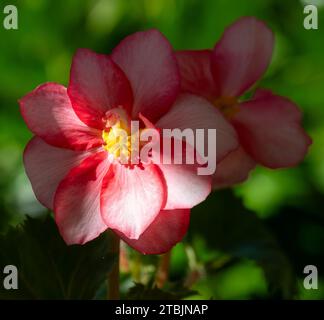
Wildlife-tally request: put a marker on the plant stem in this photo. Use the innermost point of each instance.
(162, 273)
(137, 267)
(113, 277)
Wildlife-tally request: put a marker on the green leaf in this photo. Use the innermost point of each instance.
(48, 268)
(148, 292)
(227, 226)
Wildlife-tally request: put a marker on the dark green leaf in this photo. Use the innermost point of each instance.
(48, 268)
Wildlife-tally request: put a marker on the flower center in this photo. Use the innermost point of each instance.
(227, 105)
(118, 139)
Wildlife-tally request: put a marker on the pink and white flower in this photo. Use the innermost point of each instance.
(268, 126)
(75, 171)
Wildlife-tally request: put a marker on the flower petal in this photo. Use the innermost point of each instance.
(48, 113)
(168, 228)
(149, 63)
(233, 169)
(270, 130)
(131, 198)
(77, 201)
(193, 112)
(242, 55)
(46, 167)
(97, 85)
(195, 72)
(185, 187)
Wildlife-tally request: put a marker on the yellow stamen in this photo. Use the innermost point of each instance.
(227, 105)
(117, 140)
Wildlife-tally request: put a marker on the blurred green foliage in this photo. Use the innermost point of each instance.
(234, 253)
